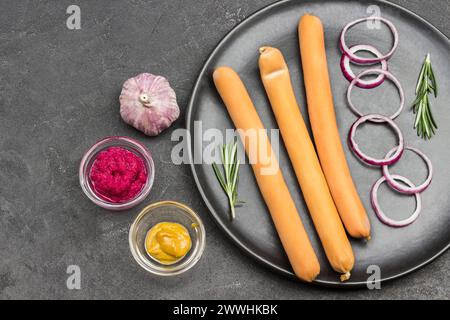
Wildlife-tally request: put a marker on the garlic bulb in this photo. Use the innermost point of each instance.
(148, 103)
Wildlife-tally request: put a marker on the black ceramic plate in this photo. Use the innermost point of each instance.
(395, 251)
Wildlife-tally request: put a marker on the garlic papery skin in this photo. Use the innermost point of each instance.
(148, 103)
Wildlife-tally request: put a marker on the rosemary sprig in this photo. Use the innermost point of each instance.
(229, 180)
(426, 84)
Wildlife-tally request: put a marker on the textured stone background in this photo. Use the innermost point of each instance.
(58, 95)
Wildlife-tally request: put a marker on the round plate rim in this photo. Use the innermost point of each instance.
(217, 220)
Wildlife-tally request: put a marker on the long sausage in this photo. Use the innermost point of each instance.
(272, 185)
(278, 86)
(325, 130)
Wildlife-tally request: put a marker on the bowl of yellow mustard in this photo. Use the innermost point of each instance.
(167, 238)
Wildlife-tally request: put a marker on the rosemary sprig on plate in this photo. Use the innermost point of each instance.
(426, 84)
(229, 179)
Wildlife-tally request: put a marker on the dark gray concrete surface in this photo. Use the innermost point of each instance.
(59, 94)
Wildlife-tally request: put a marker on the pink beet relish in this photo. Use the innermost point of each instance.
(118, 175)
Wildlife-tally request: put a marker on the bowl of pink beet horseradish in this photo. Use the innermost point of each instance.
(117, 173)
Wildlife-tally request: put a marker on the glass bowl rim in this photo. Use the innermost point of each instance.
(146, 156)
(200, 247)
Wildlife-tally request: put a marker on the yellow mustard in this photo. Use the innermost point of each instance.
(168, 242)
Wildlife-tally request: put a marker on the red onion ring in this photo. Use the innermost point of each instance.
(367, 159)
(350, 75)
(362, 60)
(388, 75)
(382, 216)
(404, 189)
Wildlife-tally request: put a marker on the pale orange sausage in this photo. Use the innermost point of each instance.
(326, 135)
(273, 188)
(278, 86)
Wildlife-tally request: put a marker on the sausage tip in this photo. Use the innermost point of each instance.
(345, 276)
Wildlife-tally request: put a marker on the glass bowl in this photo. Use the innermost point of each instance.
(89, 158)
(167, 211)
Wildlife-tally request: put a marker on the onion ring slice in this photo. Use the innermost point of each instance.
(350, 75)
(402, 188)
(382, 216)
(367, 159)
(388, 75)
(361, 60)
